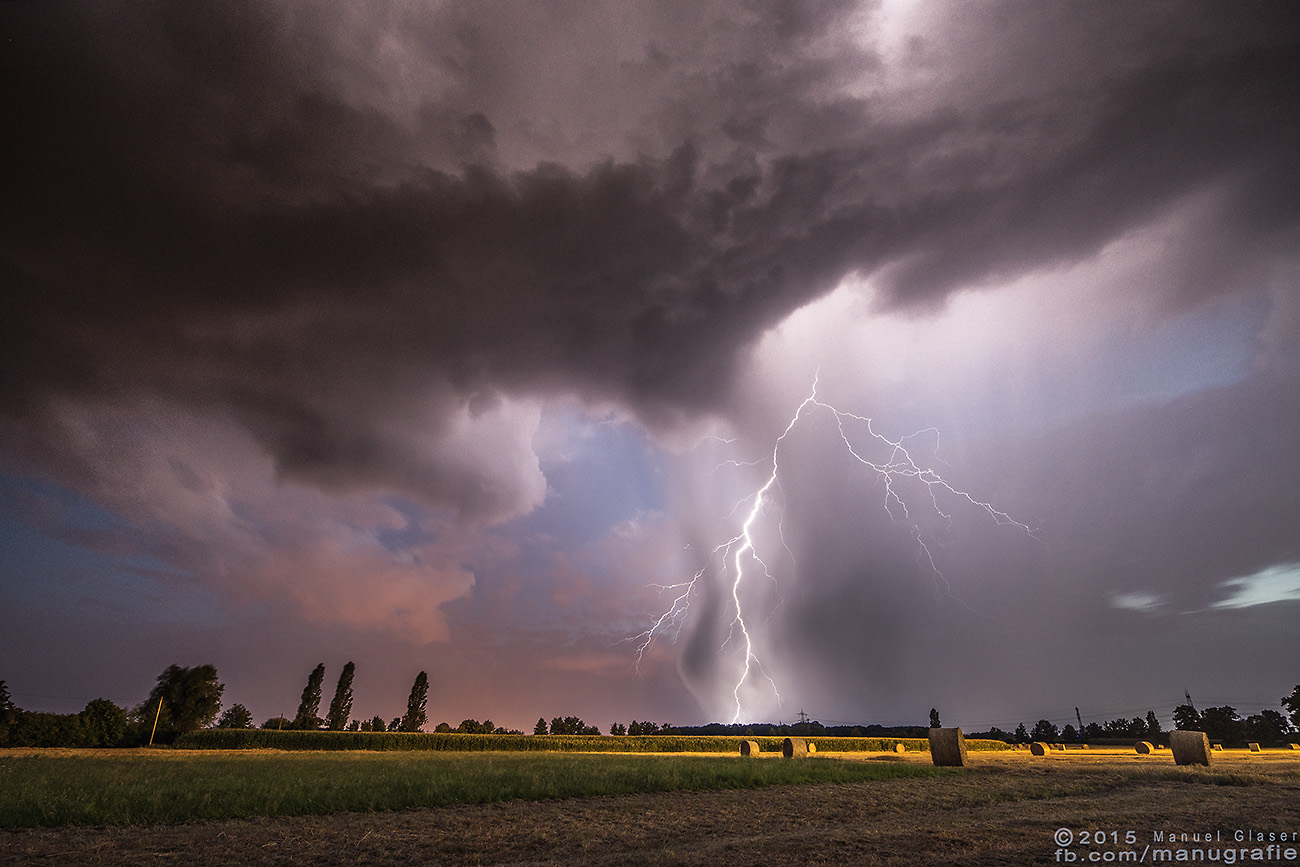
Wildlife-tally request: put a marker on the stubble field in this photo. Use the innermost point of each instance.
(1004, 808)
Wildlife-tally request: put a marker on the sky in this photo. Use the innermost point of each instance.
(666, 361)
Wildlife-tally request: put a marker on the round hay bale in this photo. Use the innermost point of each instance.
(900, 748)
(1190, 748)
(1143, 748)
(794, 748)
(1294, 746)
(1218, 747)
(812, 747)
(749, 748)
(1254, 747)
(947, 748)
(1038, 748)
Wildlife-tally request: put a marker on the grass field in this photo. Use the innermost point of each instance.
(1003, 808)
(126, 787)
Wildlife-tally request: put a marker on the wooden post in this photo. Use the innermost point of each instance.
(156, 714)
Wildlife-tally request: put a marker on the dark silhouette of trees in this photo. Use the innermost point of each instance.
(1187, 717)
(236, 717)
(1153, 724)
(1022, 734)
(1223, 724)
(618, 729)
(415, 717)
(341, 706)
(104, 724)
(540, 728)
(934, 719)
(572, 725)
(1292, 704)
(8, 714)
(191, 700)
(1045, 730)
(278, 723)
(308, 716)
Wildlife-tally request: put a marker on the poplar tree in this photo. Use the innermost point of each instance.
(341, 706)
(415, 705)
(308, 716)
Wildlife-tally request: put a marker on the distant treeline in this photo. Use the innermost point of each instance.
(189, 699)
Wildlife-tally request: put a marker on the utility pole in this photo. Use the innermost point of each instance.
(803, 717)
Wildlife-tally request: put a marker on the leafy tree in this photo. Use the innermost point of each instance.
(341, 706)
(377, 723)
(934, 719)
(104, 723)
(1268, 728)
(191, 700)
(1022, 734)
(354, 726)
(1223, 724)
(395, 725)
(1292, 704)
(442, 728)
(1152, 724)
(308, 716)
(1045, 730)
(474, 727)
(618, 729)
(572, 725)
(1187, 718)
(1068, 733)
(278, 723)
(415, 718)
(236, 717)
(8, 714)
(540, 728)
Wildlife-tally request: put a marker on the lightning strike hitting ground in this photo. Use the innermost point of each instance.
(742, 550)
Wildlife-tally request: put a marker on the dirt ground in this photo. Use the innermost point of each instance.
(1004, 809)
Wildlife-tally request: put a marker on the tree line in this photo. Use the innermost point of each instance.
(188, 699)
(1268, 728)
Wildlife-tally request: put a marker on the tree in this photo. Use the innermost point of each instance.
(308, 716)
(9, 713)
(540, 728)
(341, 706)
(1292, 704)
(236, 717)
(395, 725)
(1187, 718)
(1045, 730)
(618, 729)
(376, 723)
(1223, 724)
(104, 723)
(414, 719)
(1022, 734)
(1153, 724)
(1068, 733)
(1268, 728)
(278, 723)
(934, 719)
(191, 700)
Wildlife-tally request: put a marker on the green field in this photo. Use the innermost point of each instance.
(246, 739)
(136, 787)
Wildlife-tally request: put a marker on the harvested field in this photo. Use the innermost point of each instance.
(1004, 808)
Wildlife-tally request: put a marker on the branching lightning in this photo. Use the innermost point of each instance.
(738, 558)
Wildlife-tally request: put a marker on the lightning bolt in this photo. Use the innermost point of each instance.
(739, 555)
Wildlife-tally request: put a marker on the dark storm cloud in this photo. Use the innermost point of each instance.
(273, 212)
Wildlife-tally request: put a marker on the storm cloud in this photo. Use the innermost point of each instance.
(365, 247)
